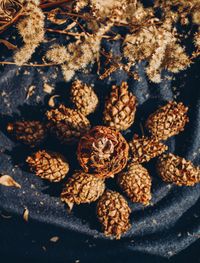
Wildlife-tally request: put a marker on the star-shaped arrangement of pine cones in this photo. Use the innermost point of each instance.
(103, 152)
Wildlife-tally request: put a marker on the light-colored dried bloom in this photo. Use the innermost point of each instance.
(197, 40)
(176, 58)
(82, 188)
(83, 52)
(196, 15)
(136, 183)
(113, 213)
(80, 4)
(57, 54)
(177, 170)
(31, 28)
(83, 97)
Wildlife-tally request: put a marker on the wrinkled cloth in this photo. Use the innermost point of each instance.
(165, 228)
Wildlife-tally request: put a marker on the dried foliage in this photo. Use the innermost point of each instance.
(148, 37)
(7, 180)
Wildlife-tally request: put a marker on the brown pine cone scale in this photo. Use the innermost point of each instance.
(120, 108)
(136, 183)
(144, 149)
(113, 213)
(68, 125)
(48, 165)
(168, 120)
(103, 151)
(83, 97)
(31, 133)
(82, 188)
(177, 170)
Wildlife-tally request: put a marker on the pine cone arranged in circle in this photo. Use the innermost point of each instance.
(31, 133)
(68, 125)
(103, 151)
(136, 183)
(113, 213)
(48, 165)
(144, 149)
(83, 97)
(177, 170)
(82, 188)
(120, 108)
(168, 120)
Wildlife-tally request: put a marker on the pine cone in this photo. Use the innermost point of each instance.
(144, 149)
(174, 169)
(168, 120)
(136, 183)
(31, 133)
(68, 125)
(82, 188)
(103, 151)
(120, 108)
(113, 213)
(48, 165)
(83, 97)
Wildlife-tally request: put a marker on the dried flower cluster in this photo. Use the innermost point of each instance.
(149, 37)
(31, 29)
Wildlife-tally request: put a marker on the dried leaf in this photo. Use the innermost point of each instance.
(47, 88)
(51, 102)
(54, 239)
(8, 44)
(52, 17)
(7, 180)
(30, 92)
(26, 214)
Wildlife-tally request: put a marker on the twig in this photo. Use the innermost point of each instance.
(48, 5)
(29, 65)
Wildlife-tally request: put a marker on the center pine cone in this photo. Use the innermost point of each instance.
(103, 151)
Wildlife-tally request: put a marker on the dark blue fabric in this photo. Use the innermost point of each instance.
(163, 229)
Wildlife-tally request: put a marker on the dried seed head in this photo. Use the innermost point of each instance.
(68, 125)
(83, 97)
(120, 108)
(136, 183)
(177, 170)
(103, 151)
(48, 165)
(144, 149)
(113, 213)
(168, 120)
(31, 133)
(82, 188)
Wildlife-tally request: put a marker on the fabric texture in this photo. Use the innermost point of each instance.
(164, 229)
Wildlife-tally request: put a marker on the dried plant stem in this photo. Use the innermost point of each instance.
(7, 25)
(29, 65)
(48, 5)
